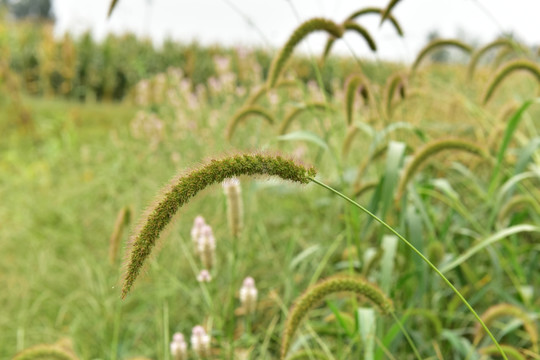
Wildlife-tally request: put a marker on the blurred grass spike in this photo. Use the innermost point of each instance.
(430, 149)
(512, 352)
(185, 186)
(475, 58)
(375, 10)
(510, 310)
(111, 7)
(50, 352)
(313, 295)
(308, 355)
(244, 113)
(505, 70)
(435, 44)
(356, 83)
(395, 84)
(306, 28)
(123, 219)
(352, 26)
(287, 120)
(263, 90)
(391, 5)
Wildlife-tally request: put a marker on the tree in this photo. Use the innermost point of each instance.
(34, 9)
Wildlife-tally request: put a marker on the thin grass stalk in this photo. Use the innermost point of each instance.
(414, 249)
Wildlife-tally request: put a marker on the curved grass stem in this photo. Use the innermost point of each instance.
(414, 249)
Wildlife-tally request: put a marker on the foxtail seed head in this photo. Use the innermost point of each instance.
(386, 14)
(435, 44)
(501, 310)
(186, 186)
(45, 352)
(510, 351)
(502, 42)
(353, 84)
(431, 149)
(244, 113)
(352, 26)
(306, 28)
(287, 121)
(506, 70)
(395, 84)
(122, 220)
(374, 10)
(318, 292)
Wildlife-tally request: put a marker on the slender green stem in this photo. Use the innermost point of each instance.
(413, 248)
(407, 336)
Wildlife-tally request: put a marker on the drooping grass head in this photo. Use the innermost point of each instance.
(185, 186)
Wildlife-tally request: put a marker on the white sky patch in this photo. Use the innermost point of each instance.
(266, 23)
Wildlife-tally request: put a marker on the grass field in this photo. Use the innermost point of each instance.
(69, 168)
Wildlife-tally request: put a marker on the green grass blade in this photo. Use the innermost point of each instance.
(509, 132)
(488, 241)
(433, 267)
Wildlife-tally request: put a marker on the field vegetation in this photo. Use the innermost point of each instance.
(311, 207)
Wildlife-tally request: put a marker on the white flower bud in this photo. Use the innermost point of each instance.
(206, 246)
(196, 230)
(200, 341)
(248, 295)
(178, 347)
(204, 276)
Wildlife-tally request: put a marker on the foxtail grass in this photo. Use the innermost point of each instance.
(356, 83)
(263, 90)
(431, 149)
(512, 352)
(475, 57)
(509, 310)
(242, 114)
(388, 10)
(122, 220)
(306, 28)
(353, 26)
(395, 84)
(289, 117)
(308, 355)
(318, 292)
(185, 186)
(374, 10)
(422, 256)
(50, 352)
(437, 44)
(507, 69)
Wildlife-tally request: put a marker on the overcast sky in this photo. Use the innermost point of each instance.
(270, 22)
